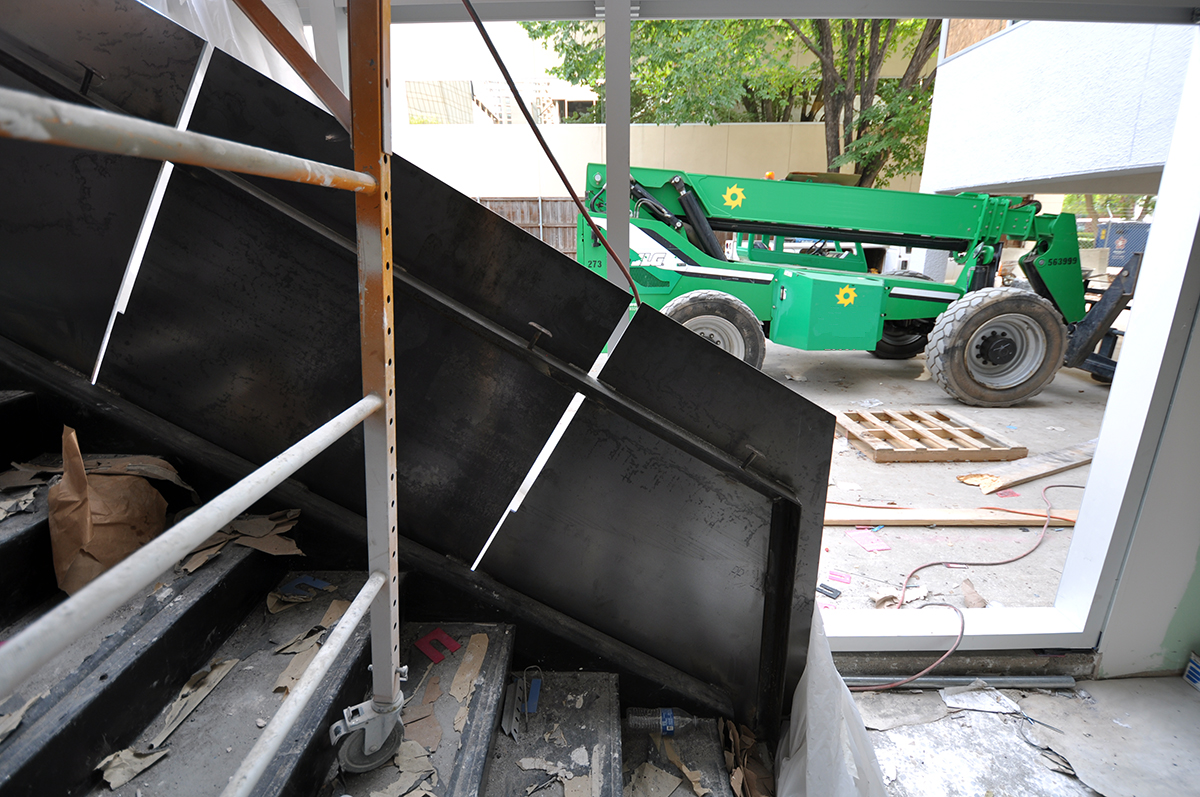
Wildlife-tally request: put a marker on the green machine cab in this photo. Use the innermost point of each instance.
(797, 272)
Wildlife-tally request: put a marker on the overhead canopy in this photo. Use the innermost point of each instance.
(1153, 11)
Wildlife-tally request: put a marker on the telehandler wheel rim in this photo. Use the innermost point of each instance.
(1005, 351)
(720, 332)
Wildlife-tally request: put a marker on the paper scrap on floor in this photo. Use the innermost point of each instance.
(978, 696)
(868, 539)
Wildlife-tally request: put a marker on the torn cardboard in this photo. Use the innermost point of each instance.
(650, 781)
(17, 502)
(888, 597)
(198, 687)
(693, 776)
(972, 598)
(260, 532)
(415, 766)
(9, 722)
(97, 521)
(468, 670)
(125, 765)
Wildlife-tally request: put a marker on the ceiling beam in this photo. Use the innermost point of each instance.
(1150, 12)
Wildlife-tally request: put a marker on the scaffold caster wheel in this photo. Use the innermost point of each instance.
(353, 759)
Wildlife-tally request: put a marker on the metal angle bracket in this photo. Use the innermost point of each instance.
(379, 721)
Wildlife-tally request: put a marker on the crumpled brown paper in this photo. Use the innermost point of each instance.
(98, 520)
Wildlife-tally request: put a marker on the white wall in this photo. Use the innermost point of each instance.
(1058, 107)
(505, 160)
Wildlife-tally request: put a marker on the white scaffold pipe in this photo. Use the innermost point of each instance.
(22, 655)
(32, 118)
(276, 733)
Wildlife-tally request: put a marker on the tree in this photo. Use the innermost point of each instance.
(883, 132)
(1133, 207)
(689, 71)
(715, 71)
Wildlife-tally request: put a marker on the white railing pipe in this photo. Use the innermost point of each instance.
(22, 655)
(276, 733)
(32, 118)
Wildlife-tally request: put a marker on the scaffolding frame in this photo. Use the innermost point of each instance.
(372, 728)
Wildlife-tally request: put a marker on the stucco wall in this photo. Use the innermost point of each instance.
(505, 160)
(1058, 107)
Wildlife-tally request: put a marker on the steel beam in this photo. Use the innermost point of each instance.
(327, 91)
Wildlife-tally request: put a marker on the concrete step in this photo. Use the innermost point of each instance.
(26, 564)
(573, 738)
(208, 747)
(699, 749)
(453, 724)
(103, 690)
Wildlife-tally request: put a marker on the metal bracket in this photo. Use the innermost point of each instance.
(376, 719)
(539, 331)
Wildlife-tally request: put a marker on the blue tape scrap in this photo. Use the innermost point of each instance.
(297, 586)
(535, 689)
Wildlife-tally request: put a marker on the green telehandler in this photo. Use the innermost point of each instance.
(797, 272)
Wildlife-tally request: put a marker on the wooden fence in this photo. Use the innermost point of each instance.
(550, 219)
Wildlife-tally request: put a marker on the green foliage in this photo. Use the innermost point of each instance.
(894, 132)
(712, 71)
(689, 71)
(1131, 207)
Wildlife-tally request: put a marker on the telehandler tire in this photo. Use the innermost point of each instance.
(723, 320)
(996, 347)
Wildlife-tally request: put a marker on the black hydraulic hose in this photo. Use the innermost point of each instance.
(546, 148)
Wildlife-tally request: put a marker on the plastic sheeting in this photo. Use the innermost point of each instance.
(224, 25)
(826, 751)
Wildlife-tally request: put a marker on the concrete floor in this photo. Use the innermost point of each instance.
(1121, 738)
(1066, 413)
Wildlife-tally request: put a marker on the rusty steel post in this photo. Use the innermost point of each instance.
(370, 86)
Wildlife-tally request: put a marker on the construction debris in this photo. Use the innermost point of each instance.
(978, 696)
(1035, 467)
(748, 762)
(468, 670)
(925, 436)
(842, 515)
(198, 687)
(650, 781)
(415, 766)
(260, 532)
(304, 646)
(18, 502)
(973, 599)
(299, 590)
(10, 721)
(124, 765)
(97, 521)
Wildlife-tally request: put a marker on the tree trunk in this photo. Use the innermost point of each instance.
(1089, 201)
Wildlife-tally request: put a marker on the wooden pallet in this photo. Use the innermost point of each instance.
(925, 436)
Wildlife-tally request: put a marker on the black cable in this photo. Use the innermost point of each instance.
(546, 148)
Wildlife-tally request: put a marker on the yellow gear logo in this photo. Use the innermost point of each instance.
(733, 196)
(846, 296)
